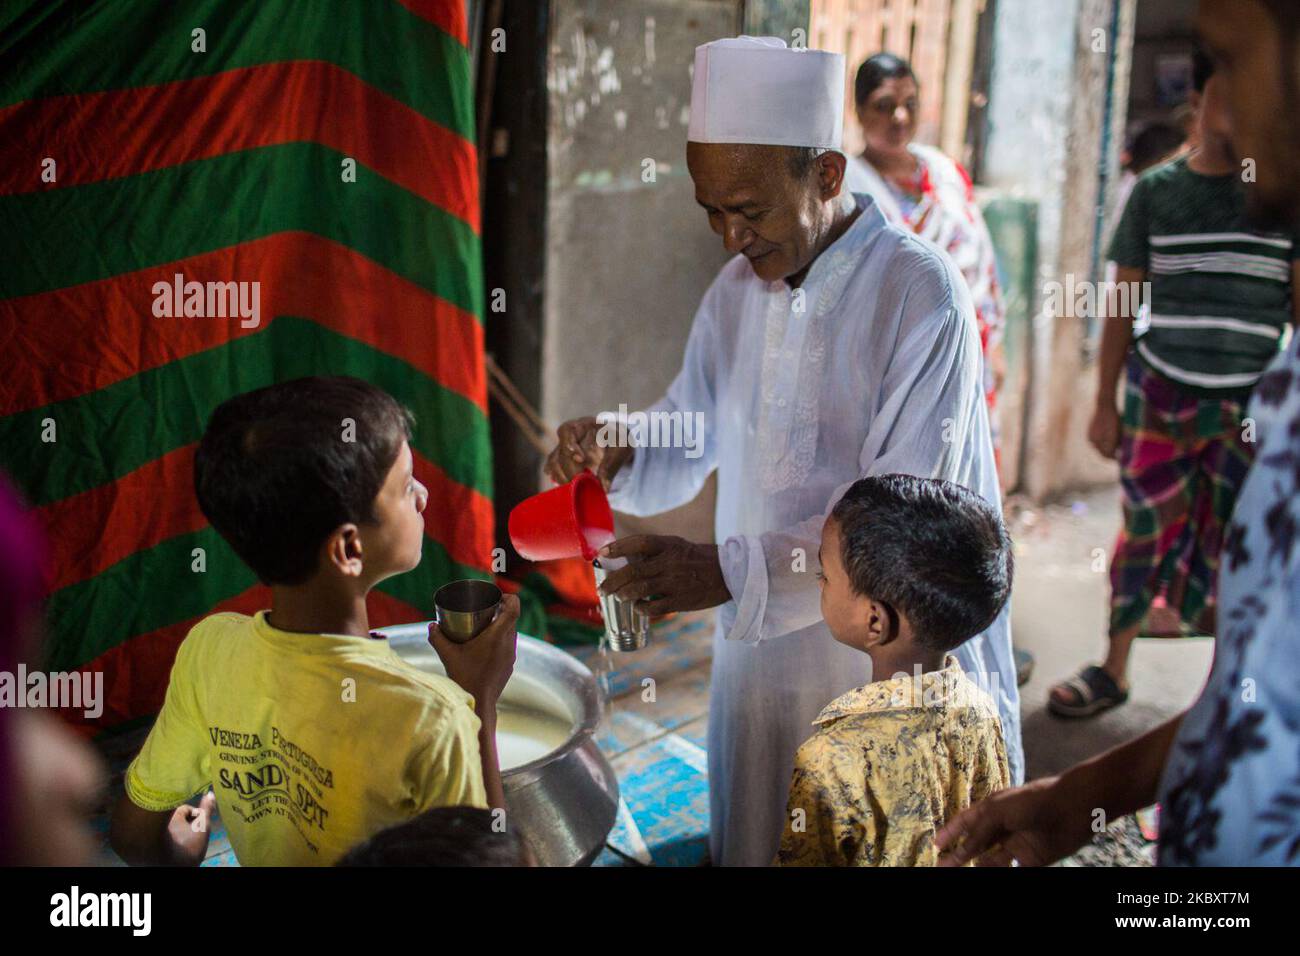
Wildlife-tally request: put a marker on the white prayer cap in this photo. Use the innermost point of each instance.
(757, 90)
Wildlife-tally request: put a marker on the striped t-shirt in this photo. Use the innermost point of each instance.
(1220, 291)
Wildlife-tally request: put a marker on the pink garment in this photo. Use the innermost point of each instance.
(22, 587)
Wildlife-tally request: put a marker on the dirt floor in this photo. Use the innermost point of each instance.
(1059, 608)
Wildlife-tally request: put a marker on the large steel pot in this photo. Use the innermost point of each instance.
(563, 803)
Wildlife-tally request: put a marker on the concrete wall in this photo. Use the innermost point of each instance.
(1069, 460)
(1032, 71)
(626, 260)
(1045, 138)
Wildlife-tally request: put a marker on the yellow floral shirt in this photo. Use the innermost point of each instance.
(890, 763)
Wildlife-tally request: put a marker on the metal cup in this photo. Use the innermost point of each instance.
(627, 628)
(464, 608)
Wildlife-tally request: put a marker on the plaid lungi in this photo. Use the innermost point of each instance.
(1183, 458)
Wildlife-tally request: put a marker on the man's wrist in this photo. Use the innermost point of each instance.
(723, 590)
(621, 464)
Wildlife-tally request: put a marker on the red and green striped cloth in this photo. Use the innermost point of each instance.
(226, 165)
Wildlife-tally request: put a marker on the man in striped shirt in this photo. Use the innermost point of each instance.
(1220, 295)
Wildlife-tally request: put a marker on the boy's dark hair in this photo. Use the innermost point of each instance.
(445, 836)
(279, 468)
(932, 550)
(1155, 142)
(1202, 69)
(875, 70)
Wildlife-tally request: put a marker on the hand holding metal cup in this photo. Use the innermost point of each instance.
(464, 608)
(627, 627)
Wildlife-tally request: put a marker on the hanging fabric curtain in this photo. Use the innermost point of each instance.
(202, 198)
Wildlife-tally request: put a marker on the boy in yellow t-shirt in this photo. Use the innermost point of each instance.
(311, 732)
(911, 568)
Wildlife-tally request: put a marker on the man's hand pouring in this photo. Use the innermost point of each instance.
(579, 448)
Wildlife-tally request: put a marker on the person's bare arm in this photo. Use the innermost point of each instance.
(1051, 818)
(487, 746)
(161, 838)
(1116, 338)
(482, 667)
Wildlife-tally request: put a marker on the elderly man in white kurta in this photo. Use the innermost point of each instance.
(832, 347)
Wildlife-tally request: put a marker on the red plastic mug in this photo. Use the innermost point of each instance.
(568, 521)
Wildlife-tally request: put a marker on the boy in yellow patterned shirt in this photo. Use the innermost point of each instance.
(911, 568)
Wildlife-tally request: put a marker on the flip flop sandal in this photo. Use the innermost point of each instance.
(1024, 665)
(1094, 691)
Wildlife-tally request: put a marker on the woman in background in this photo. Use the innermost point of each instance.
(920, 188)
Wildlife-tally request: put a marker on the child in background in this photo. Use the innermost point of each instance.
(911, 569)
(445, 836)
(313, 734)
(1219, 299)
